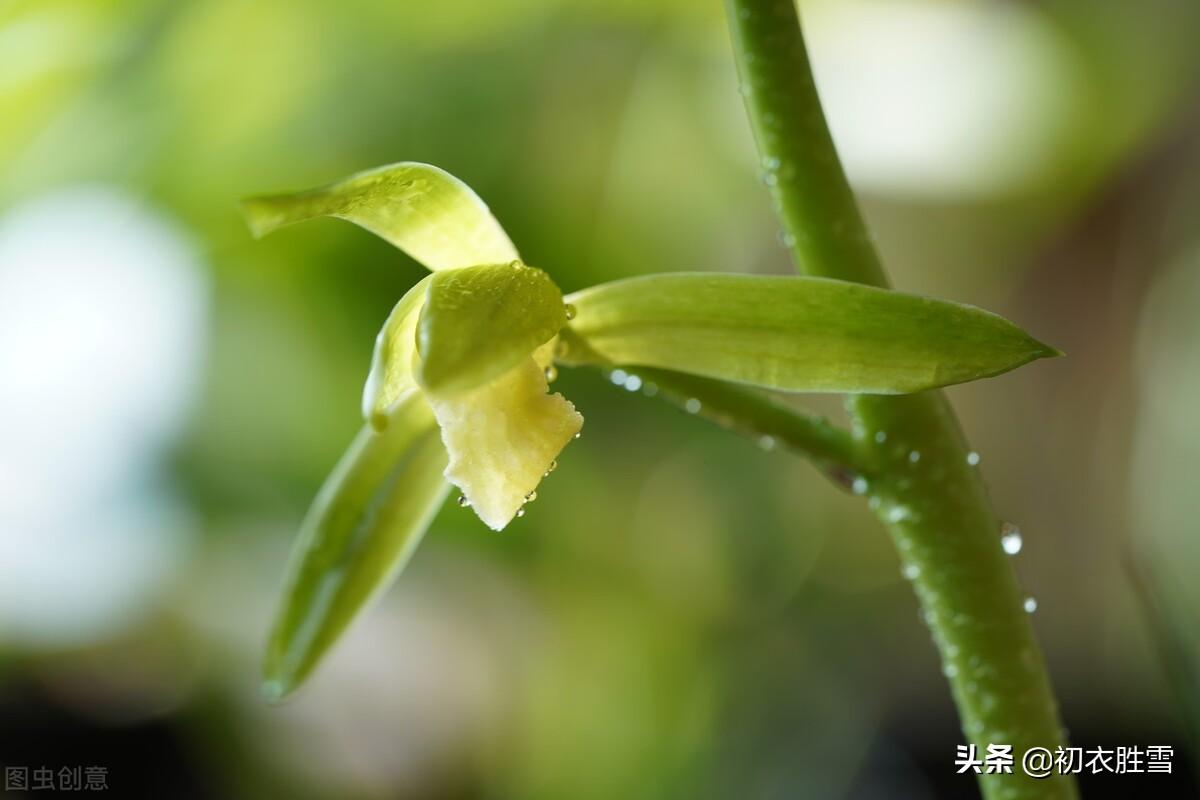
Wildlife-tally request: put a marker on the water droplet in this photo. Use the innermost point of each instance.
(766, 442)
(516, 264)
(553, 466)
(973, 458)
(650, 390)
(914, 456)
(860, 485)
(911, 571)
(770, 179)
(529, 498)
(786, 239)
(633, 383)
(618, 376)
(692, 405)
(1010, 538)
(570, 311)
(551, 373)
(520, 512)
(1030, 605)
(577, 434)
(880, 437)
(950, 670)
(463, 502)
(744, 89)
(770, 163)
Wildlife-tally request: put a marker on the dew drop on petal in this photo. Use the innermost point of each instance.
(618, 376)
(463, 502)
(551, 373)
(529, 498)
(570, 311)
(633, 383)
(553, 466)
(973, 458)
(520, 512)
(911, 571)
(577, 435)
(1030, 605)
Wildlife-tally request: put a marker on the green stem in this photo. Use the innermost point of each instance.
(931, 499)
(755, 415)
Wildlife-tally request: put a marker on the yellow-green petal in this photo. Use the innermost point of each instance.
(393, 360)
(792, 333)
(479, 322)
(360, 532)
(502, 438)
(421, 209)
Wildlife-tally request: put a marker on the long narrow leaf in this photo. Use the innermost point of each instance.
(425, 211)
(793, 334)
(361, 530)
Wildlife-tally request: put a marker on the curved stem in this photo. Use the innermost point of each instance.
(756, 415)
(929, 496)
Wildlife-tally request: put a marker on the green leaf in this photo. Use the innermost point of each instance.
(393, 362)
(793, 334)
(479, 322)
(358, 535)
(425, 211)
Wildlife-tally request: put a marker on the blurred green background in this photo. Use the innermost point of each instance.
(681, 614)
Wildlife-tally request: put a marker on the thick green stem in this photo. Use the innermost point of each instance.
(925, 487)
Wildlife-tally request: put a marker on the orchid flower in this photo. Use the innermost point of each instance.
(458, 389)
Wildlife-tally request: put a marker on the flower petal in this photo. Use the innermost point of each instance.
(360, 532)
(393, 361)
(502, 438)
(425, 211)
(479, 322)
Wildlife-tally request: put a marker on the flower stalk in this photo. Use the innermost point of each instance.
(925, 484)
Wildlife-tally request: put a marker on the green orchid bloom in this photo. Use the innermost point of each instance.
(458, 388)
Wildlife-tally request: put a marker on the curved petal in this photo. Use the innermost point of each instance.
(479, 322)
(360, 532)
(394, 359)
(425, 211)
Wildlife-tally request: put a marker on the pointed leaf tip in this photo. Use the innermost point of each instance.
(798, 334)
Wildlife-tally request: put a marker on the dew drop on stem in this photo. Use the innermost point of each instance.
(1010, 538)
